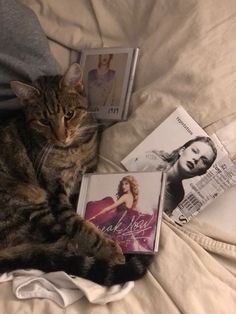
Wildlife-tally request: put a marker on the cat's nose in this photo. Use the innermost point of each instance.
(60, 135)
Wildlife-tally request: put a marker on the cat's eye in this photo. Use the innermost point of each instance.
(69, 115)
(44, 122)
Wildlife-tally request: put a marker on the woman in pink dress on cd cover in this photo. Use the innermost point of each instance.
(121, 219)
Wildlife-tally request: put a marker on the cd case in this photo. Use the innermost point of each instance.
(127, 206)
(108, 76)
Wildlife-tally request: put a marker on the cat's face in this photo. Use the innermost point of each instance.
(56, 108)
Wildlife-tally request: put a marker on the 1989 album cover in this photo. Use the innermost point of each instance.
(108, 75)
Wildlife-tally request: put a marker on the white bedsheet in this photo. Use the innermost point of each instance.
(188, 53)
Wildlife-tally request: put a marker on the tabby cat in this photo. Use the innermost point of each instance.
(44, 151)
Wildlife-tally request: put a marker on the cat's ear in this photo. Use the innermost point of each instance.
(24, 91)
(73, 77)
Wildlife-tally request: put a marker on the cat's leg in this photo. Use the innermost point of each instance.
(25, 204)
(28, 202)
(83, 234)
(29, 193)
(17, 193)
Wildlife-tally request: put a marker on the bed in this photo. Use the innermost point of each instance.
(187, 57)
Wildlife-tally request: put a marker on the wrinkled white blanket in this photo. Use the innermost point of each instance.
(188, 53)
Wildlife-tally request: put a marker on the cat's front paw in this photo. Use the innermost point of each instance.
(111, 251)
(107, 248)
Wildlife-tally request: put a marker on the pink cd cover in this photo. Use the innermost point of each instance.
(127, 206)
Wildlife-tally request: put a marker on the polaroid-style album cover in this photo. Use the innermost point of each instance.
(108, 75)
(197, 166)
(127, 206)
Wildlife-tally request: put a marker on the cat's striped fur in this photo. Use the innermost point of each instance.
(44, 150)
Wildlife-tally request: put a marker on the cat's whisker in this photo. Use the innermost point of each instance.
(43, 159)
(40, 155)
(39, 161)
(83, 129)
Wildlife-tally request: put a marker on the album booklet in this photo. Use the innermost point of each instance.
(198, 167)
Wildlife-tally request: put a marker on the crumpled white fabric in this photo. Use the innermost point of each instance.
(62, 288)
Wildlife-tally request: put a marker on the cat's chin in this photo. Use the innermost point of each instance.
(64, 144)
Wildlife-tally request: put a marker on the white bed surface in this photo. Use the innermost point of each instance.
(188, 53)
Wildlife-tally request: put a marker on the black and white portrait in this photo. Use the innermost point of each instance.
(191, 159)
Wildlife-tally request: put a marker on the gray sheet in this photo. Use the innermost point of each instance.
(24, 50)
